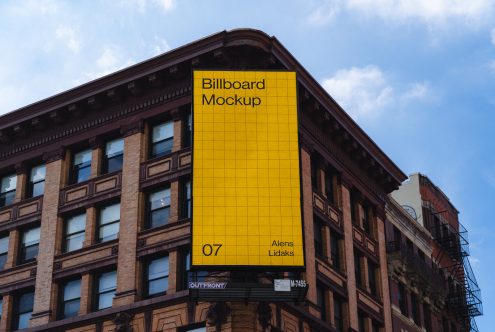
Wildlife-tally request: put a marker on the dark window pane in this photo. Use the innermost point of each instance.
(114, 164)
(159, 217)
(71, 308)
(162, 148)
(7, 198)
(38, 188)
(74, 242)
(105, 300)
(109, 232)
(24, 320)
(3, 259)
(30, 253)
(158, 286)
(334, 247)
(82, 173)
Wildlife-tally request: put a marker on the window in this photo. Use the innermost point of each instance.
(415, 308)
(107, 284)
(74, 232)
(4, 248)
(358, 271)
(157, 276)
(158, 208)
(318, 237)
(321, 303)
(186, 199)
(427, 317)
(37, 181)
(108, 228)
(361, 322)
(372, 270)
(30, 245)
(402, 299)
(162, 139)
(375, 327)
(7, 190)
(354, 207)
(335, 250)
(23, 310)
(114, 156)
(81, 166)
(1, 307)
(194, 329)
(188, 131)
(185, 274)
(338, 313)
(330, 185)
(70, 299)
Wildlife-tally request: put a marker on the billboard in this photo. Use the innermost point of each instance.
(246, 178)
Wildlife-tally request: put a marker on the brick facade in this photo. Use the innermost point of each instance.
(337, 161)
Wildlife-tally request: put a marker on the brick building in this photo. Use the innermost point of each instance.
(432, 285)
(96, 204)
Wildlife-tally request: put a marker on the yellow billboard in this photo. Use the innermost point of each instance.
(246, 181)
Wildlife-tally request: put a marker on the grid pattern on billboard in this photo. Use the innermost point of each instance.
(246, 181)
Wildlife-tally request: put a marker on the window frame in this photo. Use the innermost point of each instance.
(97, 293)
(335, 250)
(33, 184)
(76, 168)
(62, 301)
(4, 254)
(318, 237)
(67, 235)
(100, 239)
(17, 310)
(8, 197)
(147, 280)
(338, 302)
(108, 158)
(186, 198)
(150, 211)
(152, 154)
(23, 247)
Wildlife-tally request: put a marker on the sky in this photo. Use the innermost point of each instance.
(417, 75)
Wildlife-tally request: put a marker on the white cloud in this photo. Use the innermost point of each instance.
(160, 46)
(142, 5)
(166, 5)
(33, 7)
(324, 14)
(367, 92)
(416, 91)
(433, 13)
(110, 60)
(68, 36)
(360, 91)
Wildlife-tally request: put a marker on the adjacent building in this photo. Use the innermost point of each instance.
(95, 208)
(432, 284)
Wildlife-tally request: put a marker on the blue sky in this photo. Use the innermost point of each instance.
(417, 75)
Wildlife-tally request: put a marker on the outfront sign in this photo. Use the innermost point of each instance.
(246, 180)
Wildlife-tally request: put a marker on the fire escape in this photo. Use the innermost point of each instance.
(463, 294)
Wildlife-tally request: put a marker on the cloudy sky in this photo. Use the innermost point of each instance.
(417, 75)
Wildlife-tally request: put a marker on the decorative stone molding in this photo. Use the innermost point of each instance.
(264, 315)
(122, 322)
(54, 155)
(217, 315)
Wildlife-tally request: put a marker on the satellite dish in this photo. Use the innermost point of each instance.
(411, 211)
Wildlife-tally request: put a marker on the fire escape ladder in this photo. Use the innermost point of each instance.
(464, 296)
